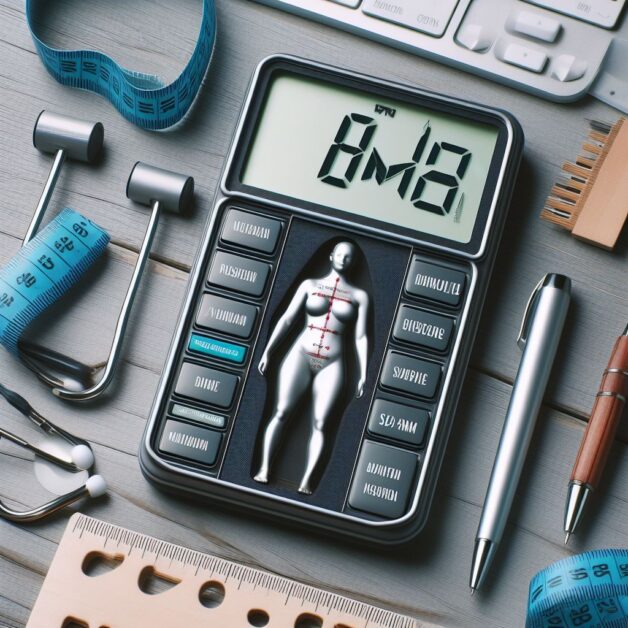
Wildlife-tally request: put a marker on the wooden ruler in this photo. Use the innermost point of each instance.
(103, 575)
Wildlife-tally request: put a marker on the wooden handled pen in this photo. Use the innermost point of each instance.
(599, 435)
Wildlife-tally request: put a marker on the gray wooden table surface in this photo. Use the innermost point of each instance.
(427, 579)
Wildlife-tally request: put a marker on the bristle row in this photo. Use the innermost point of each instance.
(567, 195)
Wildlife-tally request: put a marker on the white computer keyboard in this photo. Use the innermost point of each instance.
(557, 49)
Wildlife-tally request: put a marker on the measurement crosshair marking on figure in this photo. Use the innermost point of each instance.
(325, 329)
(336, 313)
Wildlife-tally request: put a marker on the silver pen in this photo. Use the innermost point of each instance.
(539, 336)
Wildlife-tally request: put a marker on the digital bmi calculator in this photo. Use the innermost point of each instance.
(331, 311)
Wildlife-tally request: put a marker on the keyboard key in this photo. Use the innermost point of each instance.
(348, 3)
(536, 25)
(383, 480)
(474, 37)
(427, 16)
(210, 386)
(423, 328)
(226, 316)
(411, 375)
(398, 422)
(601, 12)
(191, 442)
(251, 231)
(239, 273)
(568, 68)
(214, 348)
(523, 57)
(435, 282)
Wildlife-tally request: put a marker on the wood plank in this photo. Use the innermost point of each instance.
(428, 578)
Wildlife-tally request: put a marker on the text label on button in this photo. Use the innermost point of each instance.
(435, 282)
(411, 375)
(399, 422)
(190, 442)
(226, 316)
(206, 385)
(383, 480)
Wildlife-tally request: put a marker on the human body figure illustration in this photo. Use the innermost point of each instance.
(316, 361)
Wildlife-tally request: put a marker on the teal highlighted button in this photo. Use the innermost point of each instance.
(217, 348)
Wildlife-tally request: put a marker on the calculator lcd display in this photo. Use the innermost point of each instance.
(369, 155)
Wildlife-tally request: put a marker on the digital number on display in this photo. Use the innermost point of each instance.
(416, 167)
(375, 167)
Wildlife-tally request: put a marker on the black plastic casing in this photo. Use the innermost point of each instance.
(478, 256)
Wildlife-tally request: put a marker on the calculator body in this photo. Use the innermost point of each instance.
(288, 361)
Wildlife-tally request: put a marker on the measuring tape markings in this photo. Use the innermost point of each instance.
(143, 99)
(581, 591)
(44, 269)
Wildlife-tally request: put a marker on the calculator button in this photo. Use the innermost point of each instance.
(411, 375)
(201, 416)
(383, 480)
(190, 442)
(214, 348)
(239, 273)
(398, 422)
(536, 25)
(423, 328)
(207, 385)
(435, 282)
(567, 68)
(251, 231)
(427, 16)
(523, 57)
(474, 37)
(227, 316)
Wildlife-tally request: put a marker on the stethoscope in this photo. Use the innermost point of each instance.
(157, 188)
(81, 458)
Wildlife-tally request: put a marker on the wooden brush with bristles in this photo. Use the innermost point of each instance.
(592, 201)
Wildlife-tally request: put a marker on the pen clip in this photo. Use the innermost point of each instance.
(522, 337)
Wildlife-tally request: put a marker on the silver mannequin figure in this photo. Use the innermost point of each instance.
(316, 361)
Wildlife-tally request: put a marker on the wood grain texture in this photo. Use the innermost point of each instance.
(604, 208)
(428, 579)
(606, 416)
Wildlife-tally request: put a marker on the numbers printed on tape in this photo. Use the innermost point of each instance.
(44, 269)
(583, 591)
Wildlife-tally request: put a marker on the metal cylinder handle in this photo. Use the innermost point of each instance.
(79, 139)
(148, 184)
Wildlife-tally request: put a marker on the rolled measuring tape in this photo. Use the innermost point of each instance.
(143, 99)
(584, 591)
(44, 269)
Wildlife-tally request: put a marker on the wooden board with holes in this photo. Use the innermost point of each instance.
(427, 579)
(200, 589)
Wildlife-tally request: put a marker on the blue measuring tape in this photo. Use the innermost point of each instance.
(44, 269)
(589, 590)
(143, 99)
